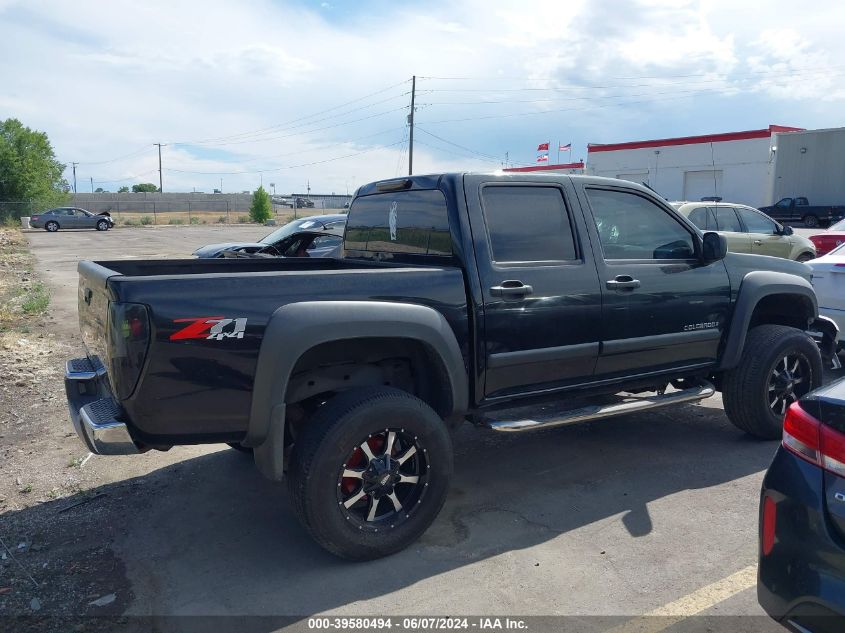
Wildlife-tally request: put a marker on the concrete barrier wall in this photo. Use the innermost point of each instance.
(187, 202)
(162, 202)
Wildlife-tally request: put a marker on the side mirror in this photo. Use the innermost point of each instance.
(714, 247)
(787, 230)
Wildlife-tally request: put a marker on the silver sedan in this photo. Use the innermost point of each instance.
(70, 218)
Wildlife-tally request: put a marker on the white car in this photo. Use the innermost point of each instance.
(829, 284)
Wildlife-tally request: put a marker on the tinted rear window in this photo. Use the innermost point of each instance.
(409, 222)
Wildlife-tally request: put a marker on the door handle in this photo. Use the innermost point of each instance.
(511, 288)
(623, 282)
(758, 242)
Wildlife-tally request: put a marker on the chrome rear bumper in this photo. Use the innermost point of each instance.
(94, 413)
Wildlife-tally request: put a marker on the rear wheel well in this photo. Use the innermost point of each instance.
(406, 364)
(793, 310)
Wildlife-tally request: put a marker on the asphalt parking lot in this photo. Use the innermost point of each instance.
(648, 513)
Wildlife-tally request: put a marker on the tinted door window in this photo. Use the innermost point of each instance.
(528, 224)
(756, 222)
(399, 223)
(703, 218)
(726, 220)
(633, 227)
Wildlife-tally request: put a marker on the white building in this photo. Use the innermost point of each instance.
(810, 164)
(562, 168)
(735, 166)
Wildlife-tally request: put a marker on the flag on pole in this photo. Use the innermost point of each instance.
(543, 158)
(543, 147)
(564, 148)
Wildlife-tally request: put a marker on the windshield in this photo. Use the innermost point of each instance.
(290, 228)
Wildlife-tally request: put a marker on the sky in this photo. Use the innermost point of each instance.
(317, 93)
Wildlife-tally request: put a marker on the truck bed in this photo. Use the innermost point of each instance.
(220, 371)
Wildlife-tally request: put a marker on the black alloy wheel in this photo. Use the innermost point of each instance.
(383, 480)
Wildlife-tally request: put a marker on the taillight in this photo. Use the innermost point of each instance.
(129, 335)
(813, 441)
(770, 510)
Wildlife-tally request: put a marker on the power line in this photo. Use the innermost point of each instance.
(327, 127)
(304, 151)
(707, 74)
(571, 87)
(137, 152)
(471, 151)
(556, 111)
(310, 116)
(135, 177)
(260, 171)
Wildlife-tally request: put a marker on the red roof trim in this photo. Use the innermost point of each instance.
(578, 165)
(692, 140)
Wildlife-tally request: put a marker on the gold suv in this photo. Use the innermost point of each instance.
(748, 230)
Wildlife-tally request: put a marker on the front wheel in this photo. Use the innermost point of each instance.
(370, 472)
(51, 226)
(810, 221)
(805, 257)
(102, 225)
(779, 365)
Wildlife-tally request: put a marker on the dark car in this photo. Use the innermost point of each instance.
(457, 297)
(317, 236)
(71, 218)
(800, 210)
(801, 580)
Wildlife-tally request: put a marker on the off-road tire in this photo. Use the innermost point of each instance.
(745, 389)
(102, 225)
(810, 221)
(321, 453)
(52, 226)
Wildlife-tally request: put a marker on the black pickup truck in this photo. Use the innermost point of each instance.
(457, 297)
(800, 210)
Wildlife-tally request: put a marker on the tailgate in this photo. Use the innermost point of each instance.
(93, 305)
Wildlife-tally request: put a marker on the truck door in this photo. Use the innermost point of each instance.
(539, 285)
(766, 238)
(783, 210)
(663, 308)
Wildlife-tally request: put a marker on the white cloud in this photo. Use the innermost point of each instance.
(104, 79)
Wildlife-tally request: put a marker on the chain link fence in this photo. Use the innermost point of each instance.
(12, 210)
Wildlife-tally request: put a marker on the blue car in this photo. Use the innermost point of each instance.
(801, 581)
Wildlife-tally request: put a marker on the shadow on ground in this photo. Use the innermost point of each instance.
(210, 536)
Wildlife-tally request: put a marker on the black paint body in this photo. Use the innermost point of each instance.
(572, 332)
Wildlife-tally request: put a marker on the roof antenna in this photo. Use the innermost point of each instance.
(713, 162)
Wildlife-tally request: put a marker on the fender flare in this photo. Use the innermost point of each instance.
(295, 328)
(755, 286)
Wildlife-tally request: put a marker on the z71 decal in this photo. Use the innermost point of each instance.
(210, 328)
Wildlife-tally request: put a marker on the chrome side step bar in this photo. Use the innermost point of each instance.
(594, 412)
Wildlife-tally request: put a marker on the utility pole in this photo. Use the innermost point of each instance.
(92, 184)
(74, 176)
(411, 123)
(160, 185)
(308, 187)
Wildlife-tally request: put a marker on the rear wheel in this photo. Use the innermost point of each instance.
(370, 472)
(52, 226)
(805, 257)
(779, 364)
(102, 225)
(810, 221)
